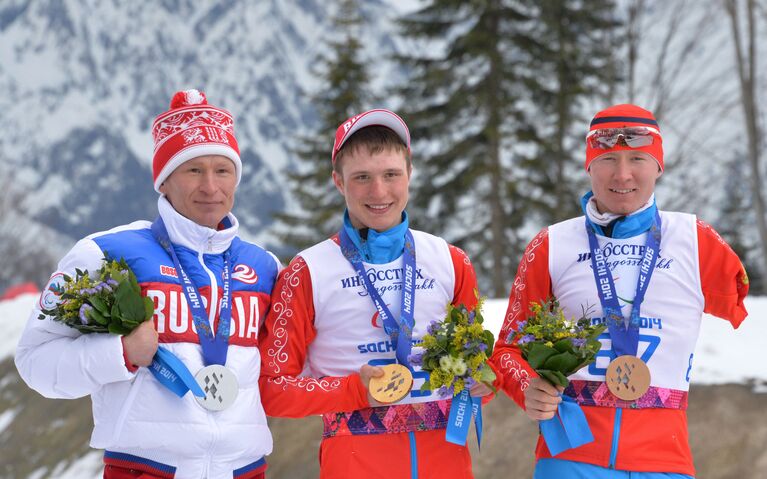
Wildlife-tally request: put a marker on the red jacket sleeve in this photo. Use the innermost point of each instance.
(722, 277)
(532, 283)
(284, 339)
(465, 291)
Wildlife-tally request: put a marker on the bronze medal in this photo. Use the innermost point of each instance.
(628, 377)
(394, 385)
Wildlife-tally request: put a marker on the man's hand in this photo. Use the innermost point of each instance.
(141, 344)
(480, 389)
(366, 372)
(542, 399)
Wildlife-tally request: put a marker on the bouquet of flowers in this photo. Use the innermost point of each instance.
(109, 303)
(455, 352)
(554, 346)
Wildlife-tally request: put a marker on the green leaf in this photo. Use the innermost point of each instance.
(115, 328)
(563, 345)
(538, 354)
(96, 316)
(554, 377)
(131, 304)
(148, 309)
(134, 282)
(488, 338)
(99, 304)
(563, 362)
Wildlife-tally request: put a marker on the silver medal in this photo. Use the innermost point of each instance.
(219, 385)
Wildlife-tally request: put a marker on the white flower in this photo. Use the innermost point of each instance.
(459, 367)
(446, 363)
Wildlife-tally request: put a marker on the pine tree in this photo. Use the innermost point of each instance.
(345, 92)
(490, 101)
(578, 63)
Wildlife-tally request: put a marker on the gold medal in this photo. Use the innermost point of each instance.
(628, 377)
(393, 385)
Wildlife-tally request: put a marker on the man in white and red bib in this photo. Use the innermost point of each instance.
(648, 274)
(201, 277)
(327, 331)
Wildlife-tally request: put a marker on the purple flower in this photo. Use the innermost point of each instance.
(444, 391)
(416, 359)
(470, 382)
(471, 317)
(112, 282)
(482, 347)
(433, 327)
(527, 338)
(578, 342)
(521, 325)
(104, 287)
(84, 309)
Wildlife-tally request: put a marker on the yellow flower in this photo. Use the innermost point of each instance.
(460, 385)
(429, 341)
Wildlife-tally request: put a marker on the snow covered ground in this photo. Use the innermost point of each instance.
(723, 355)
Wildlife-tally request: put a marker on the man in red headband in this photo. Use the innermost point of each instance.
(649, 275)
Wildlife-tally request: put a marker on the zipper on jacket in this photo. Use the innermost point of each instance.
(616, 436)
(413, 457)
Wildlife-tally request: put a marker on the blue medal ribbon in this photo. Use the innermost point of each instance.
(169, 370)
(624, 335)
(567, 429)
(400, 330)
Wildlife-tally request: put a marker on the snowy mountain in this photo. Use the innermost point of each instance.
(83, 80)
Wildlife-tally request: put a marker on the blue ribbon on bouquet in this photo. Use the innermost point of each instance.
(567, 429)
(173, 374)
(462, 409)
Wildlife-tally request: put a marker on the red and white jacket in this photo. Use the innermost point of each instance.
(323, 327)
(696, 272)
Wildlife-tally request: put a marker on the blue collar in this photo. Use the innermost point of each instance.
(625, 226)
(379, 248)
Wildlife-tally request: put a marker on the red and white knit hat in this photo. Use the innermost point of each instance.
(626, 116)
(378, 117)
(192, 128)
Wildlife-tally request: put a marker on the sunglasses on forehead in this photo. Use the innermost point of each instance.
(636, 137)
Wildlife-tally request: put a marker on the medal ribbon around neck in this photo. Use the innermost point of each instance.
(625, 337)
(214, 349)
(400, 330)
